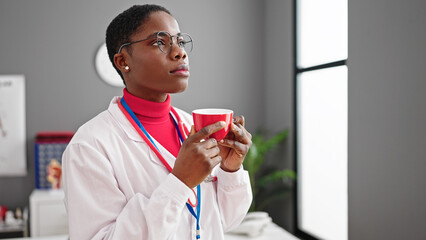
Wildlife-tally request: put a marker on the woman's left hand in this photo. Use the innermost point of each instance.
(234, 147)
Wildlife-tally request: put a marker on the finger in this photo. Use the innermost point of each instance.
(246, 132)
(215, 161)
(239, 120)
(207, 131)
(240, 148)
(192, 131)
(209, 143)
(239, 133)
(212, 152)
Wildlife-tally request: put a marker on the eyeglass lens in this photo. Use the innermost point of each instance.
(165, 41)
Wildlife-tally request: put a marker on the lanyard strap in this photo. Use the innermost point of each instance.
(124, 107)
(196, 215)
(147, 138)
(141, 130)
(182, 128)
(178, 130)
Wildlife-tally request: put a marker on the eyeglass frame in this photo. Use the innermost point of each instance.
(156, 37)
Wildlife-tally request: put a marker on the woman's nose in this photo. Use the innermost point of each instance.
(177, 52)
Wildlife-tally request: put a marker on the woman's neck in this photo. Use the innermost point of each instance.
(150, 96)
(148, 110)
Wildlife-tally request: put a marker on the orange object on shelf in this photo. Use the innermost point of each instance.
(49, 147)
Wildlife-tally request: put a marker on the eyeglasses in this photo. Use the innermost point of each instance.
(164, 41)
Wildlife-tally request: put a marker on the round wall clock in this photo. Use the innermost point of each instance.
(105, 69)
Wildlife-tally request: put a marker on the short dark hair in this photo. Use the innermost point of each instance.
(125, 25)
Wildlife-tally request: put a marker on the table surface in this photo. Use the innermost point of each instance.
(62, 237)
(271, 232)
(12, 228)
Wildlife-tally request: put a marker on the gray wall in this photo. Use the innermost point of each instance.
(278, 100)
(387, 119)
(53, 44)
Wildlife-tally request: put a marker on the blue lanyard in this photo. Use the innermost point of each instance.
(190, 208)
(123, 102)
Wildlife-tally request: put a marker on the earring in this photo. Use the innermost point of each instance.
(126, 67)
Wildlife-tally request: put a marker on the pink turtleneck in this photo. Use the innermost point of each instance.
(156, 119)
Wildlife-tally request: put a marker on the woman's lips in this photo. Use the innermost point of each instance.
(182, 70)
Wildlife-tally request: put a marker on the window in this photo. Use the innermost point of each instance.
(321, 118)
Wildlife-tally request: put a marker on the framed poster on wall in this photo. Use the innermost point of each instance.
(12, 126)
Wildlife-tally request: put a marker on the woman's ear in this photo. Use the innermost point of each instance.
(121, 63)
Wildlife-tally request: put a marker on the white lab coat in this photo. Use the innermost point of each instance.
(116, 187)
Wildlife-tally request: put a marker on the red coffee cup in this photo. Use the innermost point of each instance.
(207, 116)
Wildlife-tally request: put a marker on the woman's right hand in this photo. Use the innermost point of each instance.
(197, 158)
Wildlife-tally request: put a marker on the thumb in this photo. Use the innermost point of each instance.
(192, 132)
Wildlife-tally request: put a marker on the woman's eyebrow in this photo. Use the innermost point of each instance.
(162, 33)
(152, 35)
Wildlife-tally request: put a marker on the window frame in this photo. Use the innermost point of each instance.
(296, 72)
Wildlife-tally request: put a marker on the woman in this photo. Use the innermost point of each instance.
(135, 171)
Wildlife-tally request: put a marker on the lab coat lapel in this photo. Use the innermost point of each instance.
(121, 119)
(170, 159)
(134, 135)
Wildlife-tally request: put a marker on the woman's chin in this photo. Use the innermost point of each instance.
(181, 87)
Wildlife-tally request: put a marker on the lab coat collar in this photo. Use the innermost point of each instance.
(122, 120)
(131, 133)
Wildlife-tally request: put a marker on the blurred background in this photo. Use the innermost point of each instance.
(243, 60)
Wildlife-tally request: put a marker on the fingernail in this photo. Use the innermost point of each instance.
(221, 141)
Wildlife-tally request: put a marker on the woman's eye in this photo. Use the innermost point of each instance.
(159, 42)
(182, 43)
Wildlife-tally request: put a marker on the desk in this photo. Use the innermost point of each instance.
(61, 237)
(13, 231)
(271, 232)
